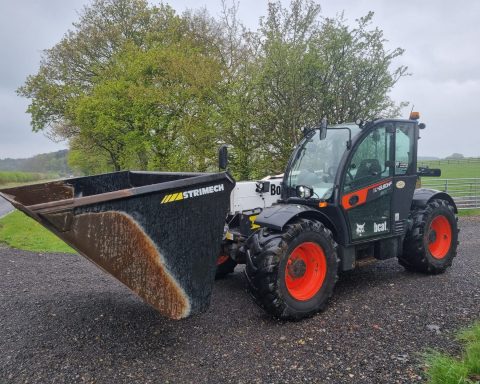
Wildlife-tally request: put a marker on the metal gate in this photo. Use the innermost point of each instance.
(465, 191)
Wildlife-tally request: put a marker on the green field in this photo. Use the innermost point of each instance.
(452, 169)
(8, 179)
(19, 231)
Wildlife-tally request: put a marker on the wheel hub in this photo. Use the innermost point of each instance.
(439, 237)
(296, 268)
(305, 271)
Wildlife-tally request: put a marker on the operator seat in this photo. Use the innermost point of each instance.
(368, 171)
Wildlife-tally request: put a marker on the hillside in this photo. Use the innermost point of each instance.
(54, 162)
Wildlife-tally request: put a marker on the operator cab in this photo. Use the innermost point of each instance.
(363, 173)
(315, 162)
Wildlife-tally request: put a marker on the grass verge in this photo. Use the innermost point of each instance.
(469, 212)
(443, 369)
(20, 231)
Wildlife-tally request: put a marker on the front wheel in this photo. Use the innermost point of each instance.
(431, 243)
(292, 273)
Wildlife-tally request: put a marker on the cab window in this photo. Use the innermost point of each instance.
(404, 141)
(370, 163)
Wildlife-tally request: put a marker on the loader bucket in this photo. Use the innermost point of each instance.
(158, 233)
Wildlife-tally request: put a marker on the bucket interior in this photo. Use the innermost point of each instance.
(89, 186)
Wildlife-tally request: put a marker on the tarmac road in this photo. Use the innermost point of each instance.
(63, 320)
(5, 207)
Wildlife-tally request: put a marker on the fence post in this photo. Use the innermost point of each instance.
(471, 190)
(476, 194)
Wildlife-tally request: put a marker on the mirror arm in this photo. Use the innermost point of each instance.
(223, 157)
(349, 142)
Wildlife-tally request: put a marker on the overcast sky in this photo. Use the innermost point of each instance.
(441, 39)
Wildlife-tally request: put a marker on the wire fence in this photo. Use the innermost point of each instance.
(467, 160)
(465, 191)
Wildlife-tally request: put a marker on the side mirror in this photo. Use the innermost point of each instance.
(429, 172)
(223, 157)
(323, 129)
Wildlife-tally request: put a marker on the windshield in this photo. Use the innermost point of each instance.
(316, 161)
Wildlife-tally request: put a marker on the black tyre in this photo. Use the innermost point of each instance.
(225, 266)
(292, 273)
(430, 245)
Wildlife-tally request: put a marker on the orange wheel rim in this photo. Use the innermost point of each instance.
(222, 259)
(439, 237)
(305, 271)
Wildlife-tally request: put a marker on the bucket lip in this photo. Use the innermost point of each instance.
(194, 178)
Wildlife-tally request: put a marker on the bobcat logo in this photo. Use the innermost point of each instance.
(360, 229)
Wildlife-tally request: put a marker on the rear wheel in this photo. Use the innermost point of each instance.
(291, 273)
(431, 244)
(225, 266)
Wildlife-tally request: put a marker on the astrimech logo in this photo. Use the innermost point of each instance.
(192, 193)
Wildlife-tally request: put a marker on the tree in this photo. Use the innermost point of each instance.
(455, 156)
(309, 68)
(138, 86)
(101, 88)
(151, 110)
(237, 105)
(69, 69)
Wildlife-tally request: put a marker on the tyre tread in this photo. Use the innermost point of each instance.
(267, 247)
(414, 256)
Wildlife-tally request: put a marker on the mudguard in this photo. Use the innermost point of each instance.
(277, 216)
(422, 196)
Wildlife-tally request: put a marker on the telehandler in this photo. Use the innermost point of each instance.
(348, 195)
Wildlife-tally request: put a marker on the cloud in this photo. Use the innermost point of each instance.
(27, 27)
(440, 39)
(16, 137)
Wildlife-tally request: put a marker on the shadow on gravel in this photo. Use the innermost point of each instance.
(375, 275)
(115, 321)
(112, 313)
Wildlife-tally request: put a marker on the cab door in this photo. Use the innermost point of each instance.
(366, 194)
(405, 173)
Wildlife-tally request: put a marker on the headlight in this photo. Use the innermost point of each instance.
(304, 192)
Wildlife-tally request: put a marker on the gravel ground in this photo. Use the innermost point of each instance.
(63, 320)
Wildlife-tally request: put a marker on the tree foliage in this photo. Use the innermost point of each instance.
(311, 68)
(144, 112)
(139, 86)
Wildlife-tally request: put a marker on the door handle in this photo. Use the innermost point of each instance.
(353, 200)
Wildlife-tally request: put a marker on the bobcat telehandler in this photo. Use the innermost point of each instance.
(348, 195)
